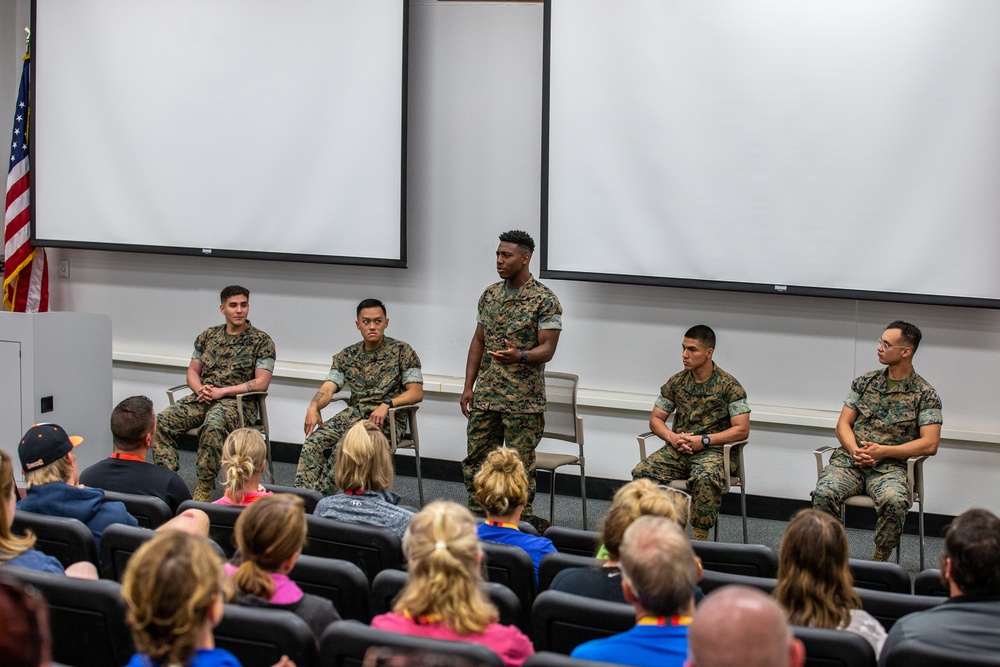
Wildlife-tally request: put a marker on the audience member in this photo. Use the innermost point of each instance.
(738, 625)
(25, 640)
(244, 456)
(969, 621)
(173, 587)
(815, 585)
(229, 359)
(363, 469)
(51, 477)
(443, 597)
(133, 425)
(270, 535)
(502, 491)
(659, 573)
(18, 551)
(381, 372)
(641, 497)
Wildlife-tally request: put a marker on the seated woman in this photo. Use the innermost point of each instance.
(270, 535)
(502, 489)
(639, 498)
(18, 551)
(443, 597)
(815, 585)
(244, 456)
(363, 469)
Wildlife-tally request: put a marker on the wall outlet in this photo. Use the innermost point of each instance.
(64, 268)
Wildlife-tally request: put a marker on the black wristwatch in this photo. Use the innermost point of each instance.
(705, 440)
(524, 356)
(388, 401)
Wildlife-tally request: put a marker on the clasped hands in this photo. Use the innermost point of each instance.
(208, 393)
(688, 443)
(868, 453)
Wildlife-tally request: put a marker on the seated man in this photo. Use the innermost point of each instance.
(51, 477)
(659, 573)
(738, 625)
(712, 411)
(381, 373)
(133, 423)
(888, 416)
(228, 359)
(969, 622)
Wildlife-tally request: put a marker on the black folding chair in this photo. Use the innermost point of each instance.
(149, 511)
(221, 522)
(370, 548)
(345, 643)
(68, 540)
(259, 637)
(562, 621)
(341, 582)
(835, 648)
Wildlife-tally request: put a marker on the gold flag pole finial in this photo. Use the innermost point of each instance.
(27, 40)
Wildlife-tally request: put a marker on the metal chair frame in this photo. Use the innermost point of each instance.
(550, 461)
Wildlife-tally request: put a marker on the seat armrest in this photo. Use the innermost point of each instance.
(819, 458)
(915, 476)
(239, 403)
(726, 466)
(642, 438)
(411, 423)
(174, 390)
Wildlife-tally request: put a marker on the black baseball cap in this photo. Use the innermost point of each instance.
(44, 444)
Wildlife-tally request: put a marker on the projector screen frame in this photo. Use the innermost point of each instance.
(400, 263)
(690, 283)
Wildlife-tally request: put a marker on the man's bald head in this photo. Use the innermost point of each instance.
(738, 625)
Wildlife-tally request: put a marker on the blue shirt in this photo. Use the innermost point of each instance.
(536, 546)
(642, 646)
(36, 560)
(203, 657)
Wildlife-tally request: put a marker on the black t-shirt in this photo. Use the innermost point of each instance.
(138, 477)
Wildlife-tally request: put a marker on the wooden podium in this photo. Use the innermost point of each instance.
(56, 367)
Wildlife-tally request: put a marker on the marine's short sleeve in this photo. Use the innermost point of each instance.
(409, 364)
(337, 367)
(930, 408)
(665, 400)
(550, 313)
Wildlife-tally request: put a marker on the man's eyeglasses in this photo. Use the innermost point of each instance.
(882, 345)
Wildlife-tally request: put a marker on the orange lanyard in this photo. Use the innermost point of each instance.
(500, 524)
(426, 619)
(663, 620)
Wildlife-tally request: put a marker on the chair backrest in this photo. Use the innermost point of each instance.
(553, 564)
(370, 548)
(562, 621)
(928, 582)
(388, 584)
(221, 522)
(149, 511)
(310, 497)
(261, 636)
(754, 560)
(561, 419)
(341, 582)
(118, 543)
(550, 659)
(835, 648)
(710, 580)
(512, 567)
(887, 608)
(411, 435)
(877, 576)
(87, 618)
(574, 540)
(68, 540)
(915, 653)
(345, 643)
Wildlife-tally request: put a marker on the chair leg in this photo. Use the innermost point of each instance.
(743, 509)
(583, 496)
(270, 460)
(420, 478)
(552, 497)
(920, 521)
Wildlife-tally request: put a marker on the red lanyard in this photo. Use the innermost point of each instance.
(501, 524)
(663, 620)
(354, 492)
(426, 619)
(127, 457)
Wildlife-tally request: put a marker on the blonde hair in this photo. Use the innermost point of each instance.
(10, 544)
(169, 586)
(268, 533)
(815, 585)
(57, 471)
(442, 551)
(363, 461)
(243, 456)
(501, 483)
(637, 498)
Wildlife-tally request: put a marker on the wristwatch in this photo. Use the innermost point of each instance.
(705, 440)
(524, 357)
(388, 401)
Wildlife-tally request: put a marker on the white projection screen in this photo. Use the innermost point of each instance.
(846, 148)
(247, 128)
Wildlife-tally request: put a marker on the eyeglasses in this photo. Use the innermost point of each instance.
(882, 345)
(682, 501)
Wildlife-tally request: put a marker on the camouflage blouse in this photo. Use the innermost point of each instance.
(703, 407)
(225, 363)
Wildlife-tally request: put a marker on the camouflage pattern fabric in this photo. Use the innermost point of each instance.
(888, 416)
(704, 472)
(516, 317)
(701, 408)
(488, 430)
(372, 376)
(224, 364)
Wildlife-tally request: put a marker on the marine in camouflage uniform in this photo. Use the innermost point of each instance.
(226, 361)
(702, 408)
(508, 405)
(373, 377)
(888, 413)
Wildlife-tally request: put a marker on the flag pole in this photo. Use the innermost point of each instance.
(27, 41)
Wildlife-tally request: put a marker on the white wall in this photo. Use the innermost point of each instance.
(474, 171)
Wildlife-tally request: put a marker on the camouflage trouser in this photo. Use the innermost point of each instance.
(888, 490)
(318, 456)
(704, 471)
(488, 430)
(216, 420)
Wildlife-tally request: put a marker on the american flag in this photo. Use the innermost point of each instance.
(25, 275)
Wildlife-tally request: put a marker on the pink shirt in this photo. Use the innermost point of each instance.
(508, 642)
(286, 591)
(248, 498)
